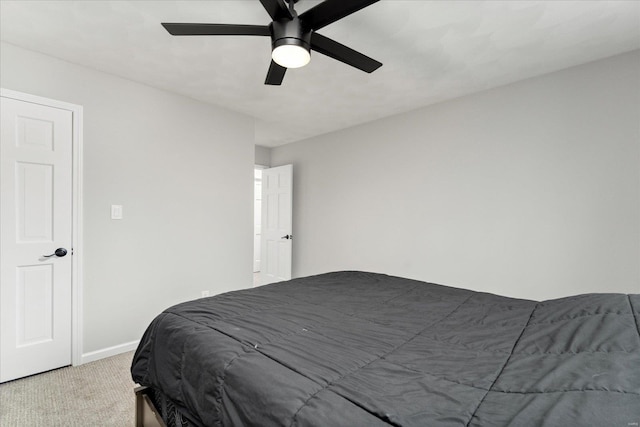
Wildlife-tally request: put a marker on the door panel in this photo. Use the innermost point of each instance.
(35, 133)
(34, 201)
(35, 219)
(257, 219)
(34, 305)
(277, 197)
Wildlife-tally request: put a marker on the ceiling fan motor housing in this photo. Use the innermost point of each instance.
(289, 32)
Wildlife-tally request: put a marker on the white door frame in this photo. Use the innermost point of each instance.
(256, 166)
(77, 238)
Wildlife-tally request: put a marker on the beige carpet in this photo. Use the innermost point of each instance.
(96, 394)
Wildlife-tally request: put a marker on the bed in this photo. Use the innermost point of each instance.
(366, 349)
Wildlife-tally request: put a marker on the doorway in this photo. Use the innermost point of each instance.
(40, 219)
(257, 222)
(273, 223)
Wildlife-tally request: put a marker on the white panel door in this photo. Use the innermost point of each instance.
(35, 220)
(277, 198)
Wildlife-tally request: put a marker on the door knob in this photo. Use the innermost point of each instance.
(288, 236)
(60, 252)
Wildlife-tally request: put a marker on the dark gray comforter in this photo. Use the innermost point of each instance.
(363, 349)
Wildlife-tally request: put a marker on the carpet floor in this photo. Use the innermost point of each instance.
(95, 394)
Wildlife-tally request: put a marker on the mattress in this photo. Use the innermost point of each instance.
(366, 349)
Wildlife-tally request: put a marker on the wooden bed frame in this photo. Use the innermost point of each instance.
(146, 413)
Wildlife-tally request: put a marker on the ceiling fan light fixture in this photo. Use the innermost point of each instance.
(291, 55)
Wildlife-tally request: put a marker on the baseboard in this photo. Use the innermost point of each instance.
(92, 356)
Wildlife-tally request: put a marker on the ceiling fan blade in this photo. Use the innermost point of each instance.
(216, 30)
(277, 9)
(330, 11)
(275, 75)
(342, 53)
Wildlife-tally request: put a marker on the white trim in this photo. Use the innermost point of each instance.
(34, 99)
(78, 238)
(77, 226)
(92, 356)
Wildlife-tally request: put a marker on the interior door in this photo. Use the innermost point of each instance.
(257, 219)
(277, 198)
(35, 221)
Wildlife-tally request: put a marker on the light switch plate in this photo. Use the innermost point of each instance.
(116, 211)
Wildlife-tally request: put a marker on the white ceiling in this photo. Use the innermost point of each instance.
(431, 51)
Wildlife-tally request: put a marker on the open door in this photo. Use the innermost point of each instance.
(277, 198)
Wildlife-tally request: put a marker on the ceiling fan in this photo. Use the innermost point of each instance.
(292, 36)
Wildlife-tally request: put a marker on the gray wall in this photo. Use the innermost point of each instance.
(263, 156)
(530, 190)
(183, 171)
